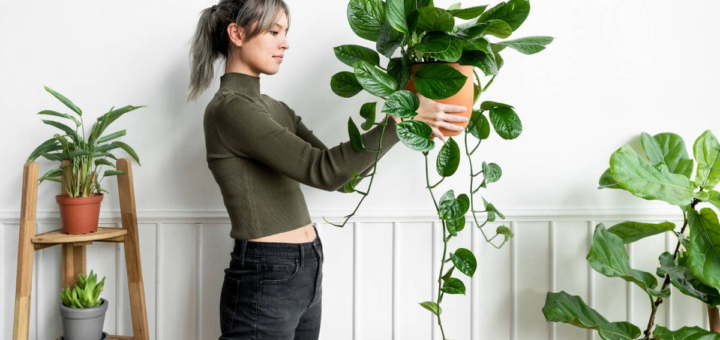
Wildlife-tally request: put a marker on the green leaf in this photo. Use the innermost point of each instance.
(491, 211)
(42, 148)
(686, 283)
(451, 208)
(506, 122)
(455, 225)
(374, 81)
(607, 181)
(128, 149)
(608, 257)
(438, 81)
(389, 40)
(464, 261)
(68, 131)
(479, 126)
(453, 286)
(630, 231)
(652, 149)
(400, 69)
(477, 44)
(685, 333)
(482, 60)
(397, 13)
(570, 309)
(350, 186)
(366, 17)
(467, 13)
(344, 84)
(496, 28)
(62, 115)
(704, 260)
(506, 232)
(356, 140)
(367, 111)
(707, 154)
(454, 51)
(113, 115)
(111, 136)
(640, 178)
(350, 54)
(432, 307)
(528, 45)
(675, 154)
(54, 173)
(434, 42)
(99, 162)
(435, 19)
(113, 172)
(492, 172)
(64, 100)
(448, 159)
(487, 105)
(513, 12)
(403, 104)
(714, 198)
(415, 135)
(448, 274)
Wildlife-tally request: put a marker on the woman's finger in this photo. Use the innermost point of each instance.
(436, 132)
(450, 126)
(452, 118)
(452, 108)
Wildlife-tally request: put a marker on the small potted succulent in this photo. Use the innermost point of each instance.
(83, 310)
(81, 158)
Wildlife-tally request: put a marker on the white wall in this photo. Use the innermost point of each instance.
(615, 69)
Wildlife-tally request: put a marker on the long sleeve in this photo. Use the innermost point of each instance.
(248, 130)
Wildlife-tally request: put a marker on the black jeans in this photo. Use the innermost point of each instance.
(272, 291)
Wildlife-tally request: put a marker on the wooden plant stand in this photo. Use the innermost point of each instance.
(73, 252)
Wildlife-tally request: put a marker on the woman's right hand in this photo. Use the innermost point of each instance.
(438, 115)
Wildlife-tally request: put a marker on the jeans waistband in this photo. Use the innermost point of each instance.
(279, 249)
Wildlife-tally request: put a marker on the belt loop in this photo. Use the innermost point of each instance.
(243, 245)
(302, 256)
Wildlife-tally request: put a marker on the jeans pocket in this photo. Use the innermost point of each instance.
(279, 270)
(229, 295)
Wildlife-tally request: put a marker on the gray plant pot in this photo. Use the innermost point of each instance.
(84, 323)
(105, 337)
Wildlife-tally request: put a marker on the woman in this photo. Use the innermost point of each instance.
(259, 152)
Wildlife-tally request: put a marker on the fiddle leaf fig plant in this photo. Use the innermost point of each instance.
(407, 32)
(82, 156)
(665, 174)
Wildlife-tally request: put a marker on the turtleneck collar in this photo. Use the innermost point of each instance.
(241, 82)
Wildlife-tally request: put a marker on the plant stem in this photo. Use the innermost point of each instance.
(714, 318)
(472, 193)
(659, 300)
(445, 241)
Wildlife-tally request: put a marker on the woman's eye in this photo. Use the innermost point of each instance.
(274, 32)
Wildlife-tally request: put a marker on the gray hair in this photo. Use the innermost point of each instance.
(211, 39)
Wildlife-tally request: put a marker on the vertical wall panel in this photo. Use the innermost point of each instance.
(374, 282)
(102, 258)
(178, 282)
(337, 281)
(571, 269)
(494, 287)
(533, 280)
(217, 246)
(414, 275)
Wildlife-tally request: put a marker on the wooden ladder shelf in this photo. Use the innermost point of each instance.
(74, 254)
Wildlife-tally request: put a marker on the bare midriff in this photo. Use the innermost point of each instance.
(300, 235)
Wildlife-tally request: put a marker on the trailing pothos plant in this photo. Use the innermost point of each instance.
(422, 33)
(81, 157)
(694, 266)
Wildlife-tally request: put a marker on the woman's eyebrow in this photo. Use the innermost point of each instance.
(281, 26)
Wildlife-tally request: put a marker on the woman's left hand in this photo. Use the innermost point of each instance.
(438, 115)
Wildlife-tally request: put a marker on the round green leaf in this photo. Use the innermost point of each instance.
(506, 122)
(415, 135)
(484, 61)
(374, 81)
(435, 19)
(434, 42)
(350, 54)
(465, 261)
(432, 307)
(366, 17)
(453, 286)
(438, 80)
(344, 84)
(403, 104)
(492, 172)
(513, 12)
(367, 111)
(479, 126)
(448, 159)
(397, 13)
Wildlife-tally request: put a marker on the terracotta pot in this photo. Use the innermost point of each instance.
(79, 215)
(464, 97)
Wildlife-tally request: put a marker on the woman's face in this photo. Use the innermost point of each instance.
(264, 52)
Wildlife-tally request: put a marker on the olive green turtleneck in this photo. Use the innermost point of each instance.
(259, 152)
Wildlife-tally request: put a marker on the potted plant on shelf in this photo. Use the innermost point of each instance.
(437, 58)
(83, 310)
(81, 160)
(693, 268)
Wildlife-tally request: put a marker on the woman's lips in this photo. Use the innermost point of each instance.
(278, 58)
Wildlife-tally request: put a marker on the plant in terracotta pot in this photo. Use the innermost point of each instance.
(83, 310)
(433, 54)
(693, 268)
(81, 160)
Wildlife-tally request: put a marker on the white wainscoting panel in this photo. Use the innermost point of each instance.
(378, 268)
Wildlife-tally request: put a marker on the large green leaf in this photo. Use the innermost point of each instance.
(400, 68)
(513, 12)
(64, 100)
(438, 80)
(376, 82)
(640, 178)
(415, 135)
(448, 159)
(675, 154)
(707, 154)
(506, 122)
(455, 225)
(683, 280)
(608, 257)
(685, 333)
(366, 17)
(528, 45)
(630, 231)
(403, 104)
(482, 60)
(704, 259)
(468, 13)
(389, 40)
(479, 126)
(714, 198)
(652, 149)
(356, 140)
(344, 84)
(464, 261)
(497, 28)
(434, 42)
(477, 44)
(453, 53)
(397, 13)
(451, 207)
(350, 54)
(435, 19)
(570, 309)
(607, 181)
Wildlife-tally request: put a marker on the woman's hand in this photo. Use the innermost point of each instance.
(437, 116)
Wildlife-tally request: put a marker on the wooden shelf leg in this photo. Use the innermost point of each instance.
(26, 252)
(136, 287)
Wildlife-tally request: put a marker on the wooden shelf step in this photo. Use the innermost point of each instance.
(116, 337)
(102, 234)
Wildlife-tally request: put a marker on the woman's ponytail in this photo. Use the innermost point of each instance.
(203, 54)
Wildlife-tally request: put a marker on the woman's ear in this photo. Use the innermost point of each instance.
(236, 34)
